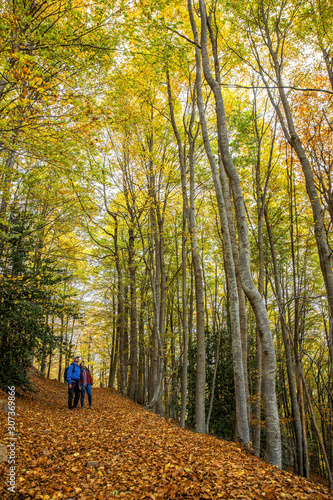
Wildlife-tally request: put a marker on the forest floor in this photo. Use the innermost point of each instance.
(120, 450)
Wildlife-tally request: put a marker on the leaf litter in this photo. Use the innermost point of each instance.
(121, 450)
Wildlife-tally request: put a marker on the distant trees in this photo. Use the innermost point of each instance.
(27, 300)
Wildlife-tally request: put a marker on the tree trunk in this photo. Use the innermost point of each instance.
(297, 424)
(133, 319)
(141, 371)
(241, 404)
(214, 379)
(157, 277)
(321, 443)
(126, 320)
(184, 318)
(199, 294)
(120, 313)
(163, 290)
(61, 347)
(274, 454)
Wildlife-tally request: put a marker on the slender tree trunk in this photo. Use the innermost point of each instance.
(49, 365)
(115, 344)
(184, 318)
(306, 467)
(161, 326)
(120, 313)
(190, 312)
(273, 451)
(241, 404)
(66, 342)
(256, 411)
(114, 362)
(50, 354)
(112, 358)
(297, 424)
(214, 379)
(61, 347)
(126, 321)
(327, 55)
(261, 278)
(133, 320)
(241, 296)
(44, 351)
(158, 284)
(173, 367)
(233, 239)
(156, 312)
(141, 373)
(114, 347)
(199, 294)
(321, 443)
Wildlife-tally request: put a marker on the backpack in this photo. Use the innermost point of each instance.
(65, 374)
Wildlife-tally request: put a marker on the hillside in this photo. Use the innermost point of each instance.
(120, 450)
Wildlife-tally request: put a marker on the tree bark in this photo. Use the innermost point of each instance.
(141, 371)
(120, 312)
(61, 347)
(241, 404)
(158, 284)
(217, 355)
(133, 318)
(297, 424)
(321, 443)
(184, 325)
(199, 293)
(273, 451)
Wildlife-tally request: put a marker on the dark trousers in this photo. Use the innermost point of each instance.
(74, 391)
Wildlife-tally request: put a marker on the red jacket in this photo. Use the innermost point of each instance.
(89, 377)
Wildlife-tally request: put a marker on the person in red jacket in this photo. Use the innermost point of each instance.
(86, 382)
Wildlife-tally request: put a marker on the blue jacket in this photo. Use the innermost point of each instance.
(73, 373)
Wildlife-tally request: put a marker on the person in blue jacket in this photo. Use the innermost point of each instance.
(73, 379)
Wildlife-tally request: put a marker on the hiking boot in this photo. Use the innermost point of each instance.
(90, 407)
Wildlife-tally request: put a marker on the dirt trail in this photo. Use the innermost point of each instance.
(120, 450)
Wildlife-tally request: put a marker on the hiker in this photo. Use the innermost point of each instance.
(73, 379)
(85, 383)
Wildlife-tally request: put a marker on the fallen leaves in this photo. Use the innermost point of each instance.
(120, 450)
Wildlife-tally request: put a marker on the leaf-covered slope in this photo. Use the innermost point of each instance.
(119, 449)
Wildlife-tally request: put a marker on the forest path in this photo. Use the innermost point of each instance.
(135, 454)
